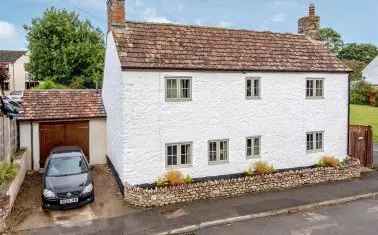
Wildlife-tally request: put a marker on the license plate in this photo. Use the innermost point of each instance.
(69, 201)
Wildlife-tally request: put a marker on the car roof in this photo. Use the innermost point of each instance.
(66, 151)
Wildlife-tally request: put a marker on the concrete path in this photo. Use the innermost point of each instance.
(162, 219)
(359, 217)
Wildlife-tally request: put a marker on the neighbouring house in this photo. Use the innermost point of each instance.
(209, 101)
(370, 73)
(51, 118)
(14, 62)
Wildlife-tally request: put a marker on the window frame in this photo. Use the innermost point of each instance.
(252, 79)
(253, 156)
(179, 164)
(179, 88)
(218, 161)
(314, 89)
(314, 142)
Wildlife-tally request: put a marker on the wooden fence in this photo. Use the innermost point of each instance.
(8, 138)
(361, 144)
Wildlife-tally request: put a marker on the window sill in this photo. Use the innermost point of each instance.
(218, 162)
(177, 100)
(179, 166)
(254, 98)
(314, 151)
(253, 157)
(315, 98)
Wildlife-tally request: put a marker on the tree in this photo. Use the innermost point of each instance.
(65, 50)
(357, 67)
(332, 39)
(361, 52)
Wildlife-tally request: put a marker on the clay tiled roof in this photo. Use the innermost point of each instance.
(10, 56)
(61, 104)
(168, 46)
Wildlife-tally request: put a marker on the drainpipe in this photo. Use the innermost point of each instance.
(348, 116)
(32, 145)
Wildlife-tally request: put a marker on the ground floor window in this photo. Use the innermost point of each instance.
(218, 151)
(314, 141)
(253, 147)
(179, 154)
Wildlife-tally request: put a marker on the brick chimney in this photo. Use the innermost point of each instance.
(116, 12)
(310, 25)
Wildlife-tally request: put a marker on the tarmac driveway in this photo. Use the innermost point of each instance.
(28, 214)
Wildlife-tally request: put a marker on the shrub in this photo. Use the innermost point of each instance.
(260, 168)
(188, 179)
(359, 92)
(329, 161)
(7, 173)
(173, 177)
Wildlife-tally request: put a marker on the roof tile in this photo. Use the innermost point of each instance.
(168, 46)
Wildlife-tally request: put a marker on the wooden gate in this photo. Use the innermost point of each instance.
(361, 144)
(57, 134)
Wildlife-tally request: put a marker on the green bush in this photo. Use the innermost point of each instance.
(359, 92)
(7, 173)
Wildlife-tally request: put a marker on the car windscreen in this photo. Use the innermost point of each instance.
(66, 166)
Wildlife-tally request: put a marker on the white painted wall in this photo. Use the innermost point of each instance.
(97, 141)
(113, 93)
(219, 110)
(26, 141)
(18, 74)
(370, 73)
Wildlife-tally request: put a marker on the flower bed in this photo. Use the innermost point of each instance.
(9, 191)
(161, 196)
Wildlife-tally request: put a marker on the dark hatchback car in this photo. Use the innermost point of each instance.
(67, 182)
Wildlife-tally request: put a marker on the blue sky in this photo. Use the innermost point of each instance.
(354, 20)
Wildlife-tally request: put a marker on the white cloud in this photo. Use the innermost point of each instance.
(283, 3)
(7, 30)
(225, 24)
(151, 15)
(279, 17)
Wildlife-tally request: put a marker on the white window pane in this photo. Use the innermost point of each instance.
(319, 88)
(212, 151)
(185, 154)
(185, 88)
(256, 87)
(172, 91)
(310, 139)
(172, 155)
(256, 146)
(249, 88)
(249, 147)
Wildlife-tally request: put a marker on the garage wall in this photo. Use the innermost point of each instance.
(97, 141)
(26, 142)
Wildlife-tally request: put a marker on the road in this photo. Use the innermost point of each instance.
(359, 217)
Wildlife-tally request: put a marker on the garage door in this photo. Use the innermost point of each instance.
(53, 135)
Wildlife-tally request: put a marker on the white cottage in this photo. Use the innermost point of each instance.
(370, 73)
(209, 101)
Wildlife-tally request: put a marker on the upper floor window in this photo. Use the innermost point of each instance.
(178, 89)
(218, 151)
(253, 88)
(5, 85)
(253, 147)
(314, 141)
(314, 88)
(179, 154)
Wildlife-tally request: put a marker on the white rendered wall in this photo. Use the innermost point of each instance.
(97, 141)
(27, 141)
(370, 73)
(113, 94)
(18, 74)
(142, 118)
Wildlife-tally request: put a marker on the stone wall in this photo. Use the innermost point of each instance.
(145, 197)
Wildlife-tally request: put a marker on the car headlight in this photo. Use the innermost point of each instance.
(88, 188)
(48, 193)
